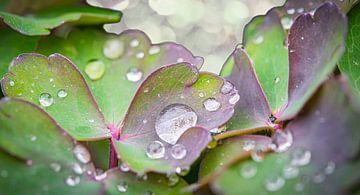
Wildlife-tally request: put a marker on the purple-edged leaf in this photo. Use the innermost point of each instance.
(171, 100)
(325, 142)
(128, 183)
(55, 84)
(123, 62)
(252, 110)
(294, 8)
(316, 43)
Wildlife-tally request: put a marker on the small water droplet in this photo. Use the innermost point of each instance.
(145, 121)
(148, 193)
(281, 141)
(258, 39)
(91, 120)
(227, 87)
(173, 179)
(330, 167)
(257, 154)
(29, 162)
(122, 187)
(56, 167)
(51, 80)
(302, 38)
(155, 150)
(234, 98)
(62, 93)
(134, 43)
(82, 154)
(134, 75)
(201, 94)
(95, 69)
(277, 79)
(300, 10)
(33, 138)
(290, 172)
(46, 99)
(218, 130)
(290, 11)
(286, 22)
(299, 187)
(154, 50)
(274, 183)
(300, 157)
(248, 171)
(72, 180)
(179, 60)
(178, 151)
(113, 49)
(248, 145)
(140, 55)
(173, 121)
(211, 104)
(318, 178)
(182, 171)
(101, 176)
(11, 83)
(77, 168)
(124, 167)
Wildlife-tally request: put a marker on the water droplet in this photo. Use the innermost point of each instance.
(154, 50)
(248, 171)
(101, 176)
(124, 167)
(201, 94)
(173, 121)
(318, 178)
(46, 99)
(72, 180)
(33, 138)
(299, 187)
(134, 43)
(173, 179)
(95, 69)
(290, 11)
(182, 171)
(286, 22)
(274, 183)
(248, 145)
(11, 83)
(155, 150)
(234, 98)
(29, 162)
(179, 60)
(211, 104)
(113, 48)
(300, 10)
(290, 172)
(277, 79)
(148, 193)
(300, 157)
(51, 80)
(212, 144)
(122, 187)
(140, 55)
(257, 154)
(227, 87)
(62, 93)
(218, 130)
(330, 167)
(178, 151)
(82, 154)
(55, 167)
(134, 75)
(302, 38)
(91, 120)
(281, 141)
(258, 39)
(77, 168)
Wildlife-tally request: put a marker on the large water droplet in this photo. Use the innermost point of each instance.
(55, 167)
(182, 171)
(72, 180)
(155, 150)
(290, 172)
(134, 75)
(300, 157)
(286, 22)
(173, 179)
(122, 187)
(281, 141)
(211, 104)
(274, 183)
(234, 98)
(248, 171)
(227, 87)
(95, 70)
(46, 99)
(82, 154)
(178, 151)
(62, 93)
(173, 121)
(113, 48)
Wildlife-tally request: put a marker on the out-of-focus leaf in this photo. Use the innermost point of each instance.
(325, 142)
(42, 23)
(26, 6)
(55, 84)
(168, 102)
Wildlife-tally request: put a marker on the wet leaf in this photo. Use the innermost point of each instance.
(55, 84)
(23, 6)
(169, 102)
(325, 143)
(42, 23)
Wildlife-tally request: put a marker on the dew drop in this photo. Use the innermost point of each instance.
(286, 22)
(234, 98)
(101, 176)
(201, 94)
(46, 99)
(178, 151)
(148, 193)
(290, 11)
(274, 183)
(211, 104)
(218, 130)
(173, 121)
(62, 93)
(248, 171)
(173, 179)
(155, 150)
(227, 87)
(122, 187)
(281, 141)
(95, 69)
(33, 138)
(179, 60)
(277, 79)
(140, 55)
(77, 169)
(318, 178)
(134, 43)
(330, 167)
(258, 39)
(113, 49)
(257, 154)
(56, 167)
(11, 83)
(82, 154)
(72, 180)
(124, 167)
(290, 172)
(300, 10)
(154, 50)
(134, 75)
(300, 157)
(182, 171)
(29, 162)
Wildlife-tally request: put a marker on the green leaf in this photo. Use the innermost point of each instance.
(23, 6)
(42, 23)
(55, 84)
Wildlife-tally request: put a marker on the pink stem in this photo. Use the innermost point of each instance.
(113, 160)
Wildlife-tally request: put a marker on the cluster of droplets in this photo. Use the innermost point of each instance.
(156, 150)
(46, 99)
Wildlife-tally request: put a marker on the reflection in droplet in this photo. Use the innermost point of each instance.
(95, 69)
(134, 75)
(178, 151)
(211, 104)
(248, 171)
(173, 121)
(62, 93)
(274, 183)
(300, 157)
(155, 150)
(46, 99)
(281, 141)
(82, 154)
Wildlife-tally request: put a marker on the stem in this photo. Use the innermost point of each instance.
(239, 132)
(113, 160)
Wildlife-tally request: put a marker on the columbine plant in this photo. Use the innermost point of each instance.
(86, 112)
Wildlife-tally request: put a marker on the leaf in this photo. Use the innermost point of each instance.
(350, 62)
(252, 110)
(168, 102)
(55, 84)
(116, 181)
(23, 6)
(294, 8)
(325, 144)
(316, 43)
(42, 23)
(113, 90)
